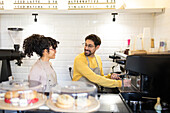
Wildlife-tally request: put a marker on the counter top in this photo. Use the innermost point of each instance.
(111, 103)
(108, 103)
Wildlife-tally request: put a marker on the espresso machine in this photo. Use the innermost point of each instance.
(150, 77)
(7, 55)
(120, 60)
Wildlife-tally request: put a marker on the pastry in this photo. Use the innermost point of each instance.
(11, 94)
(15, 101)
(21, 98)
(65, 101)
(30, 96)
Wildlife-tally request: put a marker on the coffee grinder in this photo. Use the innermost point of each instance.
(6, 55)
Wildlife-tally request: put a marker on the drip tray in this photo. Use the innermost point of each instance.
(108, 90)
(134, 96)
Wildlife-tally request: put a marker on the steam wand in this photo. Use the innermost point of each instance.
(122, 76)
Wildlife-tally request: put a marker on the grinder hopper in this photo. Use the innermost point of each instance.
(16, 35)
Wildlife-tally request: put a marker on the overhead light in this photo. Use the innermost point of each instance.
(35, 14)
(114, 18)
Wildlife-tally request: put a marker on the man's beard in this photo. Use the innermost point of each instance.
(87, 54)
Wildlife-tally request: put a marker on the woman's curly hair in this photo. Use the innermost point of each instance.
(38, 43)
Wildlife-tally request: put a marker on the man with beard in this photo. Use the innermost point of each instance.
(88, 65)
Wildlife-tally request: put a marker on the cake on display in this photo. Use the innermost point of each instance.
(21, 97)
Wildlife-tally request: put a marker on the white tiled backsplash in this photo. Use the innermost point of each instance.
(71, 31)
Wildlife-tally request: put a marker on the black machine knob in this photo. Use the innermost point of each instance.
(140, 105)
(114, 57)
(135, 103)
(121, 61)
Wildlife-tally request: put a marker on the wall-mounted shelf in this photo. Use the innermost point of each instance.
(83, 11)
(142, 10)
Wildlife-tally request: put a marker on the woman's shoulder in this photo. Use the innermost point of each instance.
(37, 66)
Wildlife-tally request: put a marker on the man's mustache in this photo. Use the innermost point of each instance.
(87, 50)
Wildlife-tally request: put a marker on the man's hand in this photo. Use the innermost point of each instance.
(127, 82)
(115, 76)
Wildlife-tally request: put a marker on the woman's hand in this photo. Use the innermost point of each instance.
(115, 76)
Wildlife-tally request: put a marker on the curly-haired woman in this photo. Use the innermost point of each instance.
(42, 70)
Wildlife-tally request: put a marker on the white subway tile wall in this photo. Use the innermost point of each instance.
(162, 28)
(71, 31)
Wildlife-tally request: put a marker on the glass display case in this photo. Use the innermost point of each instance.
(21, 95)
(73, 97)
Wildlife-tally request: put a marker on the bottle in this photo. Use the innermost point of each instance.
(152, 43)
(146, 39)
(152, 46)
(158, 106)
(128, 47)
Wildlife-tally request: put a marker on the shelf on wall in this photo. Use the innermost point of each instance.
(83, 11)
(142, 10)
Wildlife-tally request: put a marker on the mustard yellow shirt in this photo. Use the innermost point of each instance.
(81, 69)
